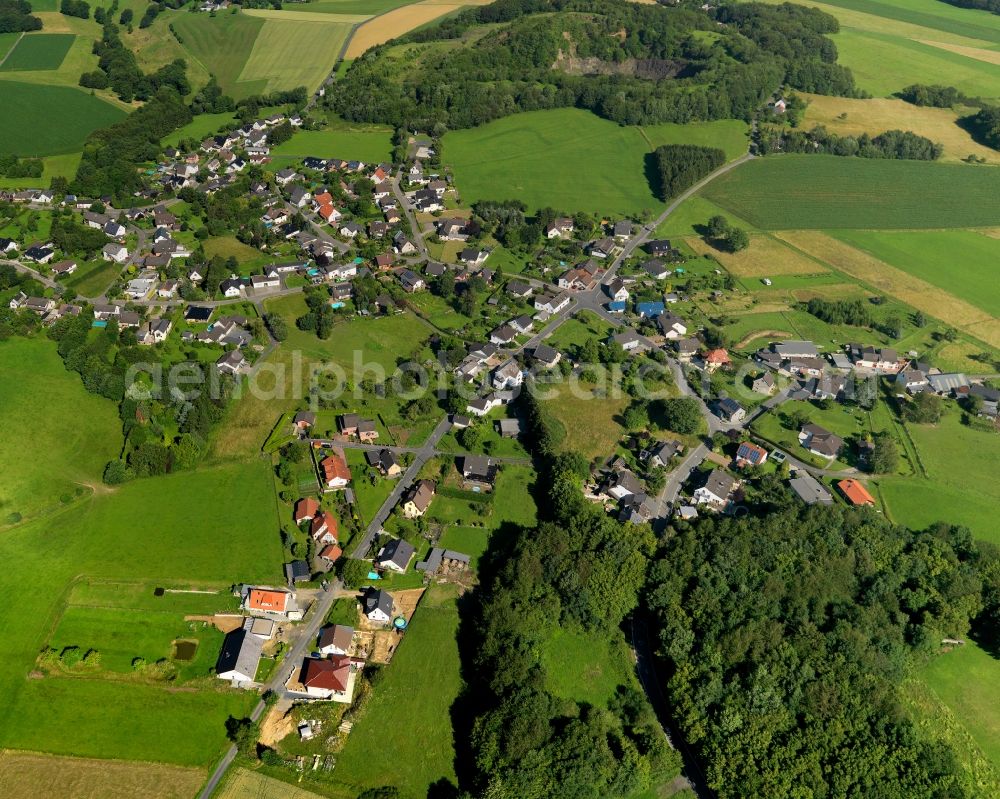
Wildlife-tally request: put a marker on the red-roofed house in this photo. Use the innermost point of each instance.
(335, 471)
(716, 358)
(855, 492)
(324, 528)
(750, 455)
(305, 509)
(330, 678)
(331, 553)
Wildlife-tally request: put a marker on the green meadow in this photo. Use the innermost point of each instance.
(571, 159)
(961, 262)
(586, 667)
(340, 139)
(830, 192)
(223, 45)
(35, 386)
(29, 111)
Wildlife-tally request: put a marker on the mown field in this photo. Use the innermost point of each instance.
(820, 191)
(960, 262)
(586, 667)
(245, 784)
(34, 388)
(223, 45)
(29, 111)
(26, 775)
(571, 159)
(396, 21)
(39, 51)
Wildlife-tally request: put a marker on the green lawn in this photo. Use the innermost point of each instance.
(39, 52)
(214, 527)
(692, 215)
(819, 191)
(350, 141)
(94, 278)
(579, 329)
(29, 110)
(74, 447)
(409, 717)
(570, 159)
(960, 487)
(961, 262)
(200, 127)
(369, 498)
(586, 667)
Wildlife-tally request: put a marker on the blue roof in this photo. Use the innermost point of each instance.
(617, 305)
(650, 308)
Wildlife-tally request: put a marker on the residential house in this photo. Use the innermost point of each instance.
(519, 289)
(232, 363)
(664, 452)
(622, 229)
(507, 375)
(63, 268)
(660, 248)
(630, 341)
(509, 428)
(715, 359)
(656, 269)
(503, 335)
(546, 356)
(385, 461)
(231, 287)
(820, 441)
(763, 384)
(417, 500)
(305, 509)
(334, 471)
(297, 571)
(411, 281)
(138, 288)
(522, 324)
(855, 492)
(622, 483)
(155, 331)
(115, 252)
(471, 257)
(671, 325)
(323, 528)
(479, 473)
(617, 291)
(264, 282)
(270, 602)
(377, 605)
(395, 555)
(168, 289)
(304, 420)
(335, 639)
(239, 657)
(637, 508)
(560, 227)
(729, 410)
(911, 380)
(686, 349)
(649, 308)
(41, 253)
(717, 490)
(810, 490)
(789, 350)
(552, 303)
(483, 405)
(749, 454)
(602, 248)
(883, 360)
(328, 678)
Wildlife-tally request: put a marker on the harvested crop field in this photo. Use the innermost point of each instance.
(765, 257)
(912, 290)
(849, 117)
(277, 52)
(27, 775)
(399, 21)
(246, 784)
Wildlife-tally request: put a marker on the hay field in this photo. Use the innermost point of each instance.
(849, 117)
(912, 290)
(246, 784)
(395, 23)
(765, 257)
(27, 775)
(295, 52)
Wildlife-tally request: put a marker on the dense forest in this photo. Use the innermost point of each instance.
(630, 63)
(680, 166)
(786, 638)
(980, 5)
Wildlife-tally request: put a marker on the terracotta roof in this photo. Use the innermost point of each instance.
(334, 466)
(305, 508)
(855, 492)
(331, 552)
(332, 674)
(717, 356)
(323, 522)
(263, 599)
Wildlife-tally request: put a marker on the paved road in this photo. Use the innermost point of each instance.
(27, 270)
(422, 455)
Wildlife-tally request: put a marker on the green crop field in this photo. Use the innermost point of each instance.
(819, 191)
(961, 262)
(571, 159)
(29, 110)
(959, 487)
(223, 45)
(295, 51)
(7, 42)
(409, 716)
(39, 52)
(347, 140)
(930, 14)
(77, 447)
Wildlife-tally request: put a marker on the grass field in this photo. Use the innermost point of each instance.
(76, 447)
(586, 667)
(93, 279)
(200, 127)
(692, 215)
(30, 108)
(245, 784)
(26, 775)
(409, 715)
(570, 159)
(849, 117)
(592, 422)
(895, 282)
(212, 526)
(350, 141)
(293, 51)
(960, 262)
(40, 51)
(396, 22)
(957, 489)
(819, 191)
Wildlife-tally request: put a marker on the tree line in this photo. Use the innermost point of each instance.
(118, 69)
(893, 144)
(680, 166)
(16, 17)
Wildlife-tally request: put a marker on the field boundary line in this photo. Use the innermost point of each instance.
(13, 47)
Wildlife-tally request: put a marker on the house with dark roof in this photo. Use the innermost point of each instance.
(297, 571)
(239, 658)
(385, 461)
(810, 490)
(479, 473)
(377, 605)
(820, 441)
(730, 410)
(717, 489)
(395, 555)
(335, 639)
(417, 500)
